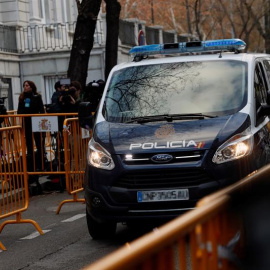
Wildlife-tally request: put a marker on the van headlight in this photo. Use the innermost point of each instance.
(240, 145)
(99, 157)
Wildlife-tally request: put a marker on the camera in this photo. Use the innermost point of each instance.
(67, 93)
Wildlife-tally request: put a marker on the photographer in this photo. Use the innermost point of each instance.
(70, 98)
(93, 92)
(54, 107)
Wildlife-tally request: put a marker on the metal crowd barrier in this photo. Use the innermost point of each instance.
(14, 197)
(215, 235)
(53, 152)
(64, 152)
(75, 144)
(188, 242)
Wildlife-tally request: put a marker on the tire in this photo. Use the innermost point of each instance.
(99, 230)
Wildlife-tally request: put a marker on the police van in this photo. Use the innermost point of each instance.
(177, 123)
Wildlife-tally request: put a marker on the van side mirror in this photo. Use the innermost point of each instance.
(86, 116)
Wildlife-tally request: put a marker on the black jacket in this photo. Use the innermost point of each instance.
(32, 104)
(55, 106)
(35, 105)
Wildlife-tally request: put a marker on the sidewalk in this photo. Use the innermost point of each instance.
(46, 186)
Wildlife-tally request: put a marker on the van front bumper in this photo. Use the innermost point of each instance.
(113, 196)
(109, 210)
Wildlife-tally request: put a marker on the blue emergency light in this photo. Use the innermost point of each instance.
(233, 45)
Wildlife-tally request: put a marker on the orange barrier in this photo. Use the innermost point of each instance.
(65, 150)
(75, 140)
(188, 242)
(53, 152)
(2, 246)
(14, 197)
(209, 237)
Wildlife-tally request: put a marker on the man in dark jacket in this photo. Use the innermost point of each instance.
(55, 97)
(70, 99)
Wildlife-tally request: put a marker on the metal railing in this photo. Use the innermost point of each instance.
(152, 35)
(59, 36)
(52, 150)
(14, 198)
(168, 37)
(215, 235)
(43, 37)
(8, 41)
(127, 33)
(62, 153)
(75, 145)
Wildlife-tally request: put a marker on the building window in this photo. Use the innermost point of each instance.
(40, 9)
(46, 6)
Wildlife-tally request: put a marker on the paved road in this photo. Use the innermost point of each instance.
(66, 243)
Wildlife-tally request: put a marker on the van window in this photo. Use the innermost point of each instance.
(208, 87)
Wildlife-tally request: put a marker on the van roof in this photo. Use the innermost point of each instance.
(210, 50)
(245, 57)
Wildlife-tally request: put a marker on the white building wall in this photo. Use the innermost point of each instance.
(72, 12)
(14, 12)
(34, 12)
(24, 12)
(41, 64)
(9, 64)
(36, 67)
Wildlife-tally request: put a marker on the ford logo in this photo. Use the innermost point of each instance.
(161, 158)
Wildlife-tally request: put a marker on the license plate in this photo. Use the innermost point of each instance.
(163, 195)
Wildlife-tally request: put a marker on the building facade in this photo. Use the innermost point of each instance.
(36, 38)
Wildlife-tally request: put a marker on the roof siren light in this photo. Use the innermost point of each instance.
(233, 45)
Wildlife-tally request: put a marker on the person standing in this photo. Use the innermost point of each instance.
(56, 95)
(77, 94)
(93, 93)
(70, 102)
(56, 105)
(30, 102)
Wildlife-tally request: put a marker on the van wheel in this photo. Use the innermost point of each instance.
(100, 230)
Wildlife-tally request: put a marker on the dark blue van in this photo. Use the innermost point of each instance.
(170, 130)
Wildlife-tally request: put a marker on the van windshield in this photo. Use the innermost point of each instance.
(214, 88)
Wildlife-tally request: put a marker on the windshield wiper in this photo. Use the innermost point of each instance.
(169, 117)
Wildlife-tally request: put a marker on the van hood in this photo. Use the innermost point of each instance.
(121, 138)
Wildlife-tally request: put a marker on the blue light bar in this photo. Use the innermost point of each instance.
(189, 47)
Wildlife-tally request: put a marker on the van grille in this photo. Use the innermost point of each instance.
(163, 179)
(177, 157)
